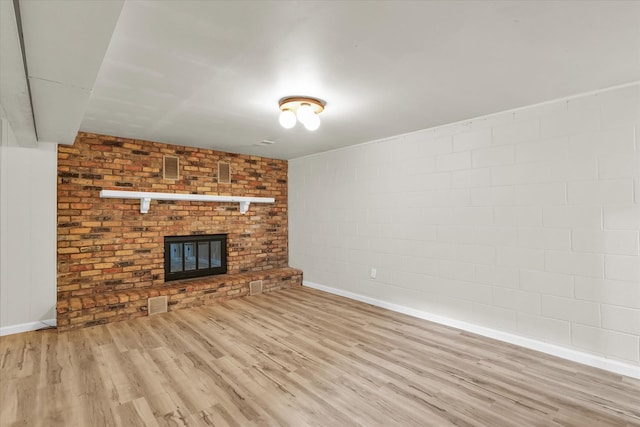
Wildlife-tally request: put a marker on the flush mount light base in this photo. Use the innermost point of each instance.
(293, 103)
(301, 109)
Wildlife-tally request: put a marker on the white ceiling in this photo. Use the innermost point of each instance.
(210, 73)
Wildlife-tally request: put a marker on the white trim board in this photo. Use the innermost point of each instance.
(532, 344)
(27, 327)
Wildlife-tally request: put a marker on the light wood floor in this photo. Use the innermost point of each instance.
(296, 358)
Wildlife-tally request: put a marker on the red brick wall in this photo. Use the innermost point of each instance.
(107, 245)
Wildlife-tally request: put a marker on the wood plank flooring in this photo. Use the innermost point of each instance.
(297, 357)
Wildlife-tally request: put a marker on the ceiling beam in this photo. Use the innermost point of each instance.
(64, 44)
(14, 90)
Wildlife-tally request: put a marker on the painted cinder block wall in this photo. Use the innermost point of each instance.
(27, 233)
(524, 222)
(106, 246)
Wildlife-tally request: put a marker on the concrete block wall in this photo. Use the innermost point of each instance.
(525, 222)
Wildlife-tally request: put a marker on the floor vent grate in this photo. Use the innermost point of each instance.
(255, 287)
(157, 305)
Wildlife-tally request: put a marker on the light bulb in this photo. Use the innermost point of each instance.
(305, 112)
(312, 123)
(287, 119)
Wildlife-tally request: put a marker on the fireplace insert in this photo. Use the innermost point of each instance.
(194, 256)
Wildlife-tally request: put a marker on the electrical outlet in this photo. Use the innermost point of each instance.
(373, 273)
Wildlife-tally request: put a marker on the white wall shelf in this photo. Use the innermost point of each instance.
(146, 197)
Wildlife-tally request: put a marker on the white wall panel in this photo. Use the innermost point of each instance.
(27, 234)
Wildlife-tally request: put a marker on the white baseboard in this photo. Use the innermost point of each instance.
(554, 350)
(26, 327)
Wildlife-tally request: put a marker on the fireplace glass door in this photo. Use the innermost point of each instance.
(194, 256)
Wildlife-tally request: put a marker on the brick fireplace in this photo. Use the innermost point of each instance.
(111, 256)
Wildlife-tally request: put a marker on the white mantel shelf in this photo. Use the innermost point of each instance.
(146, 197)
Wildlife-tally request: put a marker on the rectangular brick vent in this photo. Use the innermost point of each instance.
(224, 173)
(170, 167)
(157, 305)
(255, 287)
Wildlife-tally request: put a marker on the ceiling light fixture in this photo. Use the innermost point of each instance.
(300, 109)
